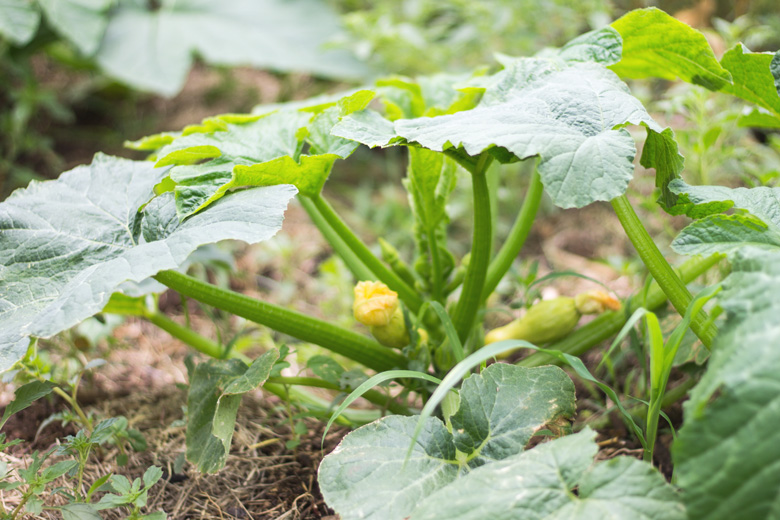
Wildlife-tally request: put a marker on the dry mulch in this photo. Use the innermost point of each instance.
(262, 479)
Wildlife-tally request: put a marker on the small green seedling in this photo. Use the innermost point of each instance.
(132, 496)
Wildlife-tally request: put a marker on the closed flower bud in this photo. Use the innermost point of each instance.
(374, 304)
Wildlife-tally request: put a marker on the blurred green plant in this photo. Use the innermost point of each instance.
(425, 36)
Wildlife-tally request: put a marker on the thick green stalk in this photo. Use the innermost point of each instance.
(517, 235)
(662, 272)
(186, 335)
(378, 398)
(354, 264)
(471, 296)
(332, 337)
(608, 324)
(273, 384)
(407, 294)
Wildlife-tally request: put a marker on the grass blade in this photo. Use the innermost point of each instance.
(371, 383)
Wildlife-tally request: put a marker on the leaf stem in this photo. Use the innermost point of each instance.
(75, 405)
(437, 272)
(25, 498)
(372, 396)
(354, 264)
(320, 405)
(407, 294)
(80, 488)
(608, 324)
(186, 335)
(471, 295)
(659, 268)
(517, 235)
(332, 337)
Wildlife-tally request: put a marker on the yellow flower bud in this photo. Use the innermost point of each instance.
(374, 304)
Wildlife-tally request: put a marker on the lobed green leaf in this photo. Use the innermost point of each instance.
(656, 44)
(375, 474)
(283, 147)
(571, 115)
(727, 452)
(557, 481)
(752, 76)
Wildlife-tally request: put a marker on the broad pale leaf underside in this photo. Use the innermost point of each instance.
(292, 145)
(571, 115)
(66, 245)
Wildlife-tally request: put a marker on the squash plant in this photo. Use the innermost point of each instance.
(105, 235)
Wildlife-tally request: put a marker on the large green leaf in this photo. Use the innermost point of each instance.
(83, 22)
(727, 453)
(724, 234)
(66, 245)
(658, 45)
(715, 233)
(368, 476)
(284, 147)
(763, 202)
(19, 20)
(603, 46)
(752, 77)
(153, 49)
(572, 116)
(557, 481)
(212, 403)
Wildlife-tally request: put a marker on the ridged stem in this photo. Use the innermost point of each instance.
(471, 295)
(353, 263)
(517, 235)
(406, 293)
(327, 335)
(674, 288)
(378, 398)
